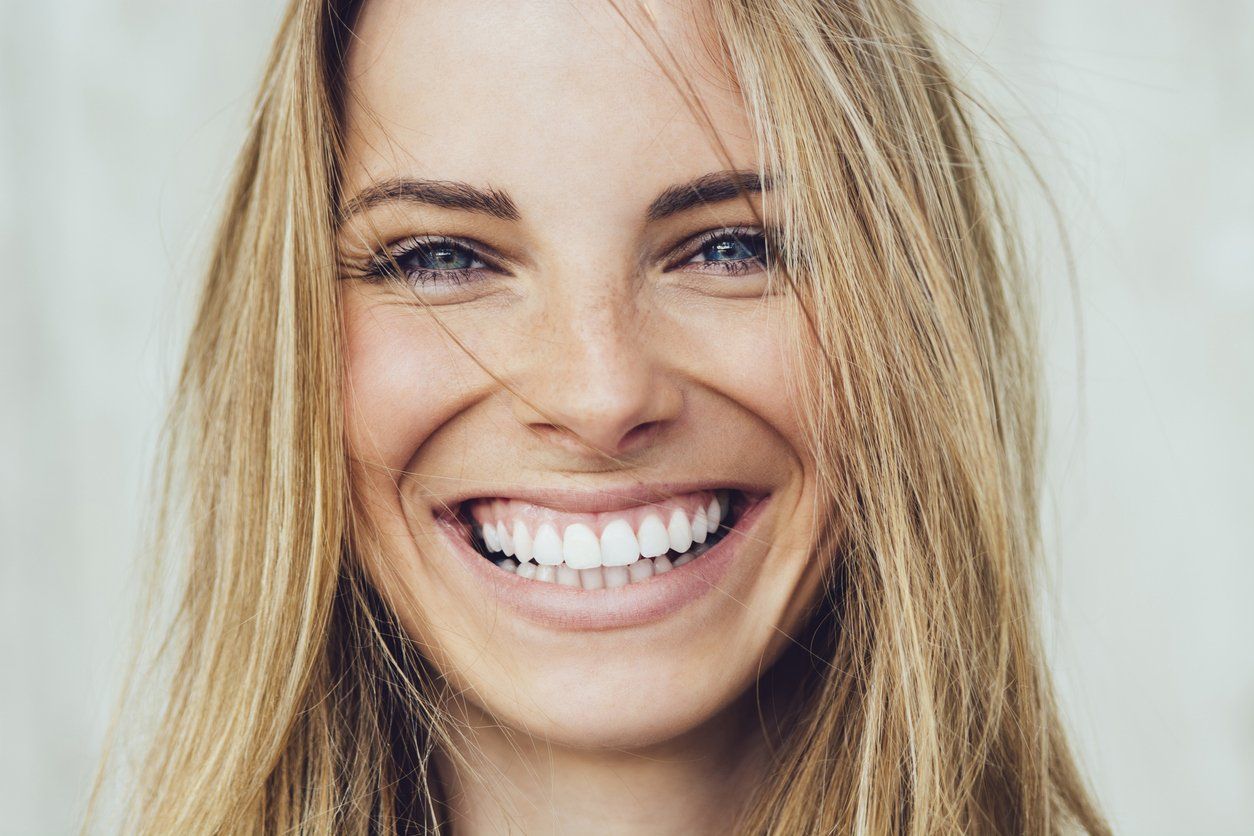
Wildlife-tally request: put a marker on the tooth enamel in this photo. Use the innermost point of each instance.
(680, 532)
(580, 547)
(547, 547)
(700, 526)
(619, 546)
(522, 542)
(640, 570)
(666, 535)
(489, 538)
(654, 541)
(592, 578)
(617, 576)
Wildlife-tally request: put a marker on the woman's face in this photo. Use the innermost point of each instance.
(557, 330)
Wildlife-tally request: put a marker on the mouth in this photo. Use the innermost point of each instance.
(600, 549)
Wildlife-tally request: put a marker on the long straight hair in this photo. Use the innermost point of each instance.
(294, 703)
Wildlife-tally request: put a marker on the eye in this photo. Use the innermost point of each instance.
(728, 251)
(430, 260)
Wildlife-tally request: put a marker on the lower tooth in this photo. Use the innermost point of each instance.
(616, 576)
(567, 576)
(604, 577)
(640, 570)
(592, 578)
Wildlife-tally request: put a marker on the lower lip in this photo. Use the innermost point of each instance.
(571, 608)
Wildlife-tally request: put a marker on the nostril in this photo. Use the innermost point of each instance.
(634, 439)
(639, 436)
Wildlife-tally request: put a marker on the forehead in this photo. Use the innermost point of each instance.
(539, 96)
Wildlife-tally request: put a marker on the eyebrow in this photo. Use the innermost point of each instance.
(447, 194)
(715, 187)
(708, 188)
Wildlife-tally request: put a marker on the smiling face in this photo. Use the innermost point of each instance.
(561, 351)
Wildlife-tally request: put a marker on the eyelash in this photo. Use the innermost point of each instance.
(389, 265)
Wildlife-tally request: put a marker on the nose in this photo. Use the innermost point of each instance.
(592, 379)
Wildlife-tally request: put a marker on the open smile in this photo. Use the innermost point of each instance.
(602, 550)
(601, 560)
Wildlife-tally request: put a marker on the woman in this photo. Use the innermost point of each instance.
(612, 418)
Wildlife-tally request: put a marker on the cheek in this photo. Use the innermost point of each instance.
(404, 378)
(744, 352)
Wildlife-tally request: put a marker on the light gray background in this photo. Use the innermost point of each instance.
(117, 122)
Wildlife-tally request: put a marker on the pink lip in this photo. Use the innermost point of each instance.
(567, 608)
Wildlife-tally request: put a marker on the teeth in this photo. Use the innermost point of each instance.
(700, 526)
(640, 570)
(580, 547)
(616, 576)
(679, 532)
(632, 546)
(522, 542)
(619, 546)
(654, 541)
(490, 539)
(567, 576)
(608, 577)
(547, 548)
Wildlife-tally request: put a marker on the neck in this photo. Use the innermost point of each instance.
(503, 781)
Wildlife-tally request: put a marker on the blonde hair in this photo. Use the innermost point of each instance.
(926, 706)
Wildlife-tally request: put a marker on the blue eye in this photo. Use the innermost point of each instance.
(729, 251)
(440, 256)
(429, 260)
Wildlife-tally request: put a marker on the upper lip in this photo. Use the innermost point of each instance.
(598, 500)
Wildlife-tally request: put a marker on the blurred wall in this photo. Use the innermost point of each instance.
(117, 123)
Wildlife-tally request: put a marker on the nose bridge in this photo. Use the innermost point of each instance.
(593, 379)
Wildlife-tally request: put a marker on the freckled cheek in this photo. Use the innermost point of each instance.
(404, 379)
(751, 363)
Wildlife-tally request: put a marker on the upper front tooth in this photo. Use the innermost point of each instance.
(522, 542)
(547, 547)
(654, 541)
(700, 526)
(580, 547)
(489, 538)
(619, 546)
(680, 532)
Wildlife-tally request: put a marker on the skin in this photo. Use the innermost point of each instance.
(582, 359)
